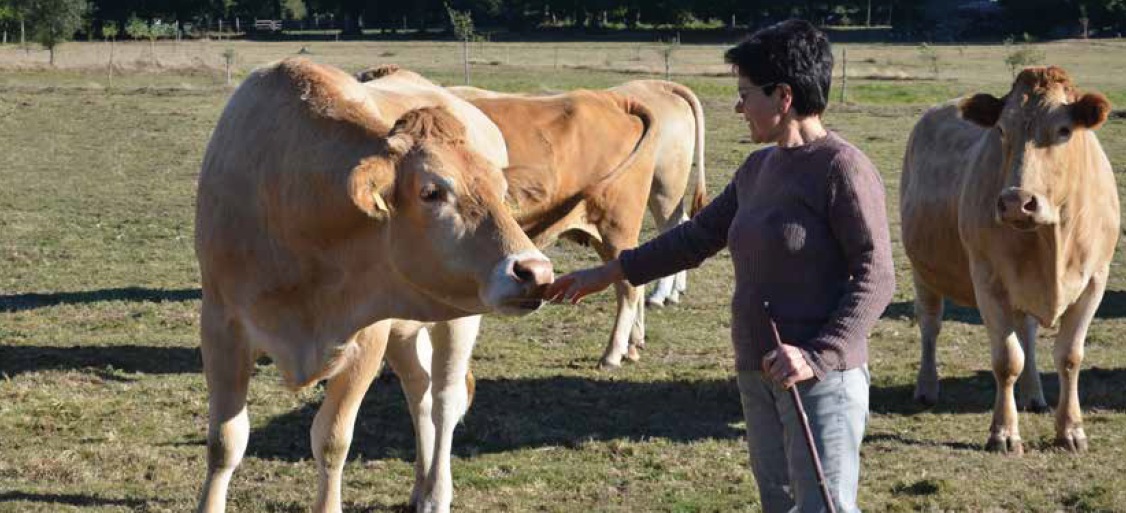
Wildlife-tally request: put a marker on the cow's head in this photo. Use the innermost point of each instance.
(448, 232)
(1040, 125)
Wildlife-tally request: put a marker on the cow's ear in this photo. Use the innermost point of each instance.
(372, 186)
(1090, 111)
(983, 109)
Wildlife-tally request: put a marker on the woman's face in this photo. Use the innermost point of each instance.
(762, 113)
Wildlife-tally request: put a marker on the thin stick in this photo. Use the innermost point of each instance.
(796, 396)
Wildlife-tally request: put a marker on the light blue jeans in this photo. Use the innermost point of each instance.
(837, 407)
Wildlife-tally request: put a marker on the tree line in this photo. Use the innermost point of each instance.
(56, 20)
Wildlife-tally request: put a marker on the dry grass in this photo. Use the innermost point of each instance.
(103, 408)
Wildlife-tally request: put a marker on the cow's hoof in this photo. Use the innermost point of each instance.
(654, 303)
(632, 354)
(605, 364)
(1037, 405)
(674, 298)
(1005, 445)
(1074, 441)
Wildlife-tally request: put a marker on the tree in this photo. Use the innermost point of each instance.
(53, 22)
(109, 31)
(462, 25)
(7, 16)
(136, 28)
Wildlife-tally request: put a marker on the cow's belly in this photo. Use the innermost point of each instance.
(932, 243)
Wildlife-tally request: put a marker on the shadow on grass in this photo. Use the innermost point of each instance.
(1112, 307)
(510, 415)
(904, 440)
(21, 302)
(15, 360)
(74, 500)
(1098, 389)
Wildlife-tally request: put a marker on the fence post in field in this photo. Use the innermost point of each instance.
(844, 72)
(667, 51)
(465, 58)
(228, 57)
(557, 58)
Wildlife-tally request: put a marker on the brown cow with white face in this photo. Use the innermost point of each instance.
(315, 221)
(1010, 205)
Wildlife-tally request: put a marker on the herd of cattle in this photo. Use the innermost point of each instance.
(347, 219)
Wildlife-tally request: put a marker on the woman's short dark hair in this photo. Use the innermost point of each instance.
(792, 52)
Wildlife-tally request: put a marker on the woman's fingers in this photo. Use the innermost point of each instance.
(577, 285)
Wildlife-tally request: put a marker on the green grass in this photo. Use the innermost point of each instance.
(103, 407)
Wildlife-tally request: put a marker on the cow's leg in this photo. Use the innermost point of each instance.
(228, 362)
(331, 435)
(1008, 361)
(629, 330)
(667, 290)
(1068, 353)
(637, 333)
(453, 347)
(1031, 391)
(928, 314)
(409, 353)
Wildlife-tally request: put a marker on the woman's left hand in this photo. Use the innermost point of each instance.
(786, 366)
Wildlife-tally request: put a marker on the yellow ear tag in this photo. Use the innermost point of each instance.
(379, 203)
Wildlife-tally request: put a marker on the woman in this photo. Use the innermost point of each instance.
(806, 225)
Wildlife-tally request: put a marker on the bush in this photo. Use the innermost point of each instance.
(930, 58)
(1021, 56)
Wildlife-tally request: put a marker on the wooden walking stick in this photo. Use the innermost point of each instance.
(796, 396)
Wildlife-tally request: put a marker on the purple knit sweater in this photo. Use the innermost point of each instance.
(808, 232)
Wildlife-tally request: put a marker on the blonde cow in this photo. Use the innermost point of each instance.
(552, 148)
(1009, 204)
(317, 222)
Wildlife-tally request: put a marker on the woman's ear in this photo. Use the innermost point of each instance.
(785, 98)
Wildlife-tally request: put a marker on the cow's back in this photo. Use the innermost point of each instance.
(939, 154)
(569, 141)
(403, 90)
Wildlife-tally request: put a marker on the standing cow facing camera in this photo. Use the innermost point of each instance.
(1010, 205)
(317, 222)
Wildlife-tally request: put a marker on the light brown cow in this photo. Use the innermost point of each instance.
(1010, 205)
(315, 221)
(552, 150)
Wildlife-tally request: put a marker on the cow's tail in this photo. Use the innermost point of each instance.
(700, 194)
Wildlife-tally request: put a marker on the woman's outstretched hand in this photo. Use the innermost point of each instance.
(579, 284)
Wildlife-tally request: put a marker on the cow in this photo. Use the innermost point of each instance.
(317, 224)
(1010, 205)
(678, 133)
(429, 357)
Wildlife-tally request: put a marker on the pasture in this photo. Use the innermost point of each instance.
(103, 405)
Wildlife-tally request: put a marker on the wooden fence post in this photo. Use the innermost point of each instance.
(465, 58)
(844, 72)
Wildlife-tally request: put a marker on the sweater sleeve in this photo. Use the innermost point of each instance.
(687, 245)
(858, 219)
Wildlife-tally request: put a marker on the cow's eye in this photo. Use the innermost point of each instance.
(1065, 132)
(431, 193)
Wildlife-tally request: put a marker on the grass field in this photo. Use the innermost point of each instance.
(103, 406)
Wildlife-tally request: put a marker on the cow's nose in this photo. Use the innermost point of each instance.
(533, 271)
(1018, 205)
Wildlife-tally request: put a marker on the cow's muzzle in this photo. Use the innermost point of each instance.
(519, 281)
(1023, 210)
